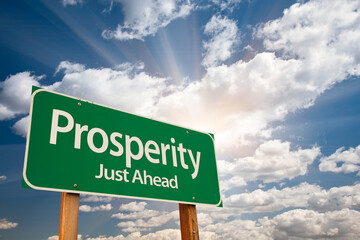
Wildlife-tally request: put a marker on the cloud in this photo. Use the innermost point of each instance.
(308, 224)
(5, 224)
(95, 198)
(3, 178)
(342, 161)
(331, 29)
(272, 161)
(123, 87)
(295, 224)
(146, 213)
(15, 93)
(223, 36)
(144, 18)
(166, 234)
(71, 2)
(56, 237)
(146, 219)
(69, 67)
(133, 206)
(273, 199)
(156, 221)
(87, 208)
(227, 4)
(21, 127)
(336, 198)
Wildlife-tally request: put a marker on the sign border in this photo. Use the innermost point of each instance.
(38, 90)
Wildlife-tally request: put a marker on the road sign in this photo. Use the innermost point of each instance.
(78, 146)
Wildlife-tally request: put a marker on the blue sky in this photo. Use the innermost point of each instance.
(277, 82)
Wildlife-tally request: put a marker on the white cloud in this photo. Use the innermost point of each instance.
(123, 87)
(95, 198)
(69, 67)
(336, 198)
(71, 2)
(292, 225)
(223, 36)
(272, 161)
(167, 234)
(21, 126)
(322, 35)
(146, 213)
(87, 208)
(156, 221)
(308, 224)
(235, 181)
(133, 206)
(273, 199)
(56, 237)
(3, 178)
(144, 18)
(5, 224)
(15, 94)
(226, 4)
(342, 161)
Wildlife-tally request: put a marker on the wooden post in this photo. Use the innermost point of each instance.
(69, 216)
(188, 222)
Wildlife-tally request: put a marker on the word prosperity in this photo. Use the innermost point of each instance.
(145, 179)
(153, 151)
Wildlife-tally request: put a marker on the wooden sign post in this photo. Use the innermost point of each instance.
(188, 222)
(69, 216)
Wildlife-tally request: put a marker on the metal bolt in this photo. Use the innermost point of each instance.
(75, 185)
(193, 198)
(79, 104)
(187, 132)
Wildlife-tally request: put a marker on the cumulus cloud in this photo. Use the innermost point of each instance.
(146, 213)
(223, 34)
(144, 18)
(272, 161)
(342, 161)
(15, 93)
(123, 87)
(87, 208)
(133, 206)
(21, 126)
(56, 237)
(145, 218)
(273, 199)
(5, 224)
(296, 224)
(95, 198)
(308, 224)
(167, 234)
(336, 198)
(331, 29)
(156, 221)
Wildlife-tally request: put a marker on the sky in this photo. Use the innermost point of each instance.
(276, 82)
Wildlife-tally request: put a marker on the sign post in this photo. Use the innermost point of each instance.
(69, 216)
(76, 146)
(188, 222)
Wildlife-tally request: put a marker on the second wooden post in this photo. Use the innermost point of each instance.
(188, 222)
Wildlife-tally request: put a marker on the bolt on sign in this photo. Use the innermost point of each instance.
(78, 146)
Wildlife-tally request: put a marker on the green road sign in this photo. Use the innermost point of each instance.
(78, 146)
